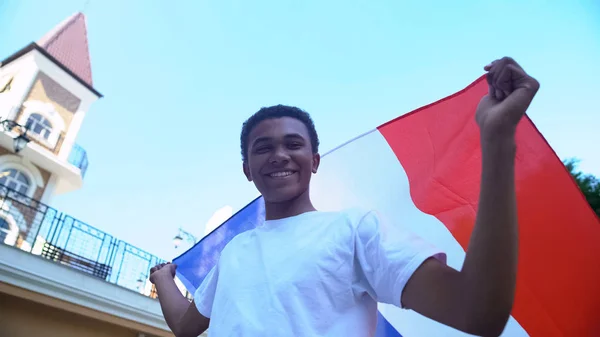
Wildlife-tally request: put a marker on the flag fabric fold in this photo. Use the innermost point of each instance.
(421, 172)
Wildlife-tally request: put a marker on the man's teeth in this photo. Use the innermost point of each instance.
(281, 174)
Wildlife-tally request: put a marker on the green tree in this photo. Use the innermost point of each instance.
(588, 184)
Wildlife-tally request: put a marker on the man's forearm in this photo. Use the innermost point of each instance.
(172, 302)
(490, 265)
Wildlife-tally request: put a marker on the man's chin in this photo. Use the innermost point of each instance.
(281, 197)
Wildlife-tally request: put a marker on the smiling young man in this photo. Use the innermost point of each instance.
(310, 273)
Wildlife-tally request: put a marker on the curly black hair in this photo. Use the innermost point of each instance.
(278, 111)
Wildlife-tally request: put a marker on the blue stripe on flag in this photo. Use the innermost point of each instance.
(384, 328)
(194, 264)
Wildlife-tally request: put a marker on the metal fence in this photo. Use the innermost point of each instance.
(42, 230)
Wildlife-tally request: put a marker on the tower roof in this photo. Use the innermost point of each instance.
(68, 44)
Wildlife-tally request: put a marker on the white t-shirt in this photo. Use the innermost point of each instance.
(314, 274)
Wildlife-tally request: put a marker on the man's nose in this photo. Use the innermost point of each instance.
(279, 157)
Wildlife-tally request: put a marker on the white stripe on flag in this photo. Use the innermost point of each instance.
(366, 173)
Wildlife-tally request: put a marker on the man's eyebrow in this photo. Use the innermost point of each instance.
(294, 135)
(261, 139)
(266, 139)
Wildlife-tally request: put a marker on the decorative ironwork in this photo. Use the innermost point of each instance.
(184, 235)
(73, 260)
(42, 230)
(21, 140)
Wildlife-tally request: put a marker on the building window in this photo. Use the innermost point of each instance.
(39, 125)
(15, 180)
(4, 229)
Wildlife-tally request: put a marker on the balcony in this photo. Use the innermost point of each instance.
(53, 140)
(49, 151)
(41, 230)
(54, 143)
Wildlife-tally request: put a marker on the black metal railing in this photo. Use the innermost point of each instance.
(78, 157)
(52, 142)
(42, 230)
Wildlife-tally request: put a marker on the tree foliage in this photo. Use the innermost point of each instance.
(588, 184)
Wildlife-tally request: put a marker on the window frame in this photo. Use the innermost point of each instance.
(48, 127)
(18, 183)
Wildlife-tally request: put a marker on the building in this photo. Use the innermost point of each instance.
(60, 276)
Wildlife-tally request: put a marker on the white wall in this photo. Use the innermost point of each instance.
(24, 71)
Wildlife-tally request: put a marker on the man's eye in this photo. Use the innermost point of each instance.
(294, 145)
(262, 149)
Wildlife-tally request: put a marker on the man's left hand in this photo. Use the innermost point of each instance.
(511, 90)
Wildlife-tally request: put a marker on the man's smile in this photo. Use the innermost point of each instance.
(281, 174)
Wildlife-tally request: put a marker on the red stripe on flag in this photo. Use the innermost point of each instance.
(558, 285)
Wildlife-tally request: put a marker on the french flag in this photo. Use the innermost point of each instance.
(423, 170)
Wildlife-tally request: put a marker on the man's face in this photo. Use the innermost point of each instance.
(280, 159)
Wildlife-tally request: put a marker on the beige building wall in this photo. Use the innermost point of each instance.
(66, 104)
(46, 89)
(23, 318)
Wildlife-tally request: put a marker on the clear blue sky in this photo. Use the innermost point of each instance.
(179, 80)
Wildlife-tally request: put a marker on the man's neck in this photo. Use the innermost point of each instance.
(296, 206)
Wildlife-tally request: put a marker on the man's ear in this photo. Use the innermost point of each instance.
(315, 162)
(246, 171)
